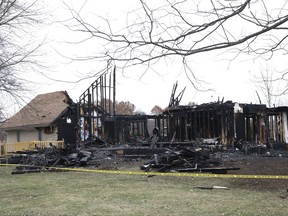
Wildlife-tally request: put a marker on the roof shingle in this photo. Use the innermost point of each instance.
(42, 111)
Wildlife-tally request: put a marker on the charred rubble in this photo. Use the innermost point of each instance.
(177, 159)
(184, 159)
(181, 139)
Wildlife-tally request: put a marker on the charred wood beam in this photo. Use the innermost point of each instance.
(214, 170)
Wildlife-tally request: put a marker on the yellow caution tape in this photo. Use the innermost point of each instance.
(205, 175)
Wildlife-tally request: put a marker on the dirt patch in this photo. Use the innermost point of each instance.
(249, 165)
(260, 165)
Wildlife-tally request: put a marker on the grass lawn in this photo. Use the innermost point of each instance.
(86, 193)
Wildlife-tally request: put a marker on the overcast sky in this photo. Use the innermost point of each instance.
(231, 80)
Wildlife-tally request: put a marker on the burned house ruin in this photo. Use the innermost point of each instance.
(179, 139)
(93, 121)
(224, 123)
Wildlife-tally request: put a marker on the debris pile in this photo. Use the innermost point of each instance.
(185, 159)
(177, 159)
(91, 156)
(51, 156)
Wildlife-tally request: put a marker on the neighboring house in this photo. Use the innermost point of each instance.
(48, 117)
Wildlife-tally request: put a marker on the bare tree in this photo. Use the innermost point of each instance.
(125, 108)
(169, 28)
(121, 108)
(264, 83)
(272, 86)
(16, 48)
(156, 110)
(2, 115)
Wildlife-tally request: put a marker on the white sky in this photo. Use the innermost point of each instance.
(231, 81)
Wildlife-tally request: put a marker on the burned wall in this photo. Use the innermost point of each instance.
(213, 120)
(228, 122)
(277, 125)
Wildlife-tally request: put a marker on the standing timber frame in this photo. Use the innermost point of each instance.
(277, 124)
(226, 123)
(95, 105)
(187, 123)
